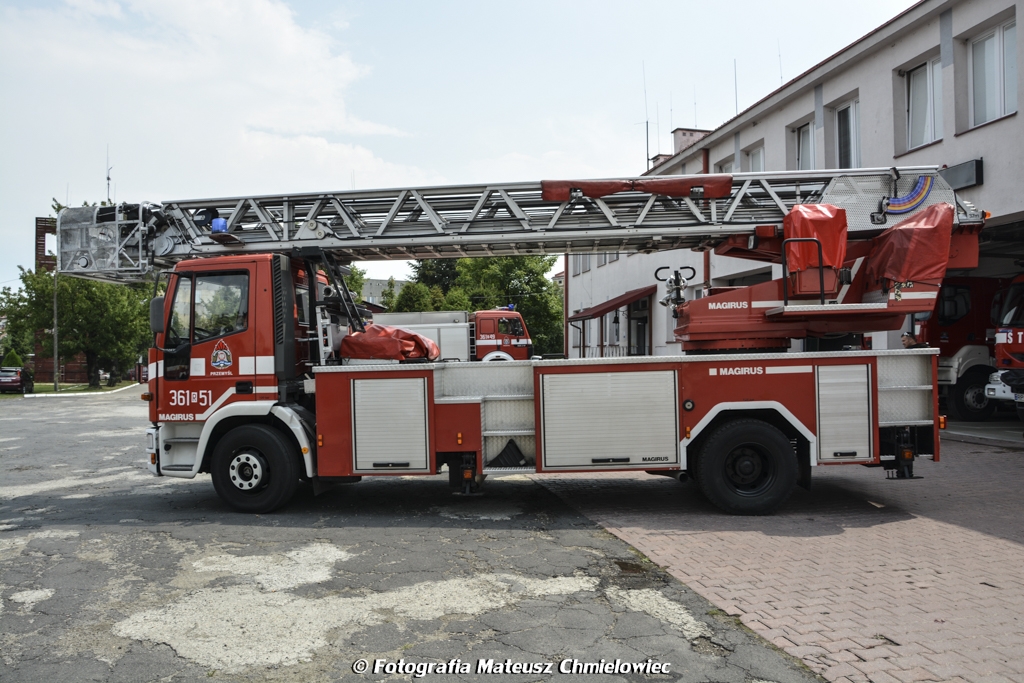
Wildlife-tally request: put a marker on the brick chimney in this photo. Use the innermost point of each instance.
(684, 137)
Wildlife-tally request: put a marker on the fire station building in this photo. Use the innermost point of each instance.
(936, 85)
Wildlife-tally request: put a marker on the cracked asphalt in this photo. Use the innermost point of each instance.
(110, 574)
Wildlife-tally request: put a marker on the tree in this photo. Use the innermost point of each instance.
(16, 337)
(436, 299)
(436, 273)
(414, 296)
(354, 281)
(456, 300)
(388, 296)
(519, 280)
(107, 323)
(12, 360)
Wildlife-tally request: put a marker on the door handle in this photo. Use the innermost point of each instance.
(243, 387)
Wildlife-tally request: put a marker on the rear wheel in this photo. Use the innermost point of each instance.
(747, 467)
(254, 469)
(967, 400)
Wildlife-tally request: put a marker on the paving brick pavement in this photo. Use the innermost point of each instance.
(863, 578)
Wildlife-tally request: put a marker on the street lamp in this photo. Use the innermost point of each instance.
(56, 360)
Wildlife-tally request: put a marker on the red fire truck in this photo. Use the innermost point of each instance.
(248, 381)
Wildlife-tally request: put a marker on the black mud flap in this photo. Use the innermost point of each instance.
(803, 459)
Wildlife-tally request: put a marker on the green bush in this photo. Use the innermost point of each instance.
(12, 360)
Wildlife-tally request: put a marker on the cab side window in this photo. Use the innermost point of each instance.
(222, 305)
(176, 365)
(954, 304)
(510, 326)
(302, 304)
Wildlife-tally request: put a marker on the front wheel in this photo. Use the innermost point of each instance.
(747, 467)
(254, 469)
(967, 399)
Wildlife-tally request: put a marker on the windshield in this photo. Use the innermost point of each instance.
(1013, 307)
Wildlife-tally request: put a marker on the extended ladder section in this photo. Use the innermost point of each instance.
(127, 242)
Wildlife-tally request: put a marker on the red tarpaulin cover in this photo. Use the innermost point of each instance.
(381, 342)
(825, 222)
(715, 186)
(559, 190)
(914, 250)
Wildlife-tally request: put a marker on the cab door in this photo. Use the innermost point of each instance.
(513, 337)
(210, 342)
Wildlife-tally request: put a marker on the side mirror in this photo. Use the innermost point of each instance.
(156, 314)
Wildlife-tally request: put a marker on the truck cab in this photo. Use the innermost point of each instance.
(1009, 348)
(499, 334)
(1005, 383)
(963, 328)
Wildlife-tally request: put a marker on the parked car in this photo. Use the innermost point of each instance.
(18, 380)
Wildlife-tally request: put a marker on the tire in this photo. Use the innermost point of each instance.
(255, 469)
(1020, 411)
(747, 467)
(967, 400)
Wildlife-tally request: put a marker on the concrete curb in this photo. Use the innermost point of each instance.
(81, 393)
(982, 440)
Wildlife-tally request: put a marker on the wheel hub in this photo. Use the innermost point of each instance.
(975, 398)
(246, 471)
(744, 466)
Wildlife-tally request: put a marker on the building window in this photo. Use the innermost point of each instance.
(575, 264)
(725, 167)
(602, 258)
(585, 258)
(613, 256)
(848, 135)
(924, 104)
(993, 74)
(804, 148)
(757, 160)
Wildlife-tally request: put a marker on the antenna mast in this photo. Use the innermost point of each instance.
(779, 43)
(647, 119)
(736, 86)
(109, 168)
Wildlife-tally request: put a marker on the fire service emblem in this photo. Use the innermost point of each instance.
(221, 356)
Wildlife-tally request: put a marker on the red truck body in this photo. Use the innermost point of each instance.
(219, 366)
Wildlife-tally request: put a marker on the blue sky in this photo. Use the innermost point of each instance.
(214, 98)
